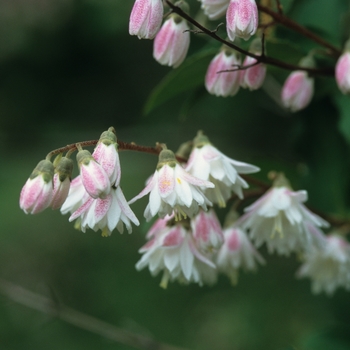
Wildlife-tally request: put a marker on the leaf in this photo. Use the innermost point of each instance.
(187, 77)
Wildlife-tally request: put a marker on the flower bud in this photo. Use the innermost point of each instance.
(241, 19)
(94, 178)
(36, 194)
(172, 42)
(225, 83)
(214, 9)
(146, 18)
(342, 72)
(253, 77)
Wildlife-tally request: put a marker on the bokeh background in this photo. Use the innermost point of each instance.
(68, 71)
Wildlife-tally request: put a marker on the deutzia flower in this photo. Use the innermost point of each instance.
(208, 163)
(173, 251)
(281, 220)
(173, 189)
(214, 9)
(329, 266)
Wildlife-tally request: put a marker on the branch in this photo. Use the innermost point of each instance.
(79, 319)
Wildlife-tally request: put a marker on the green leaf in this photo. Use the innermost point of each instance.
(187, 77)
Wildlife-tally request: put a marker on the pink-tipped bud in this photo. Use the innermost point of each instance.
(36, 194)
(94, 178)
(253, 77)
(241, 19)
(297, 91)
(342, 72)
(146, 18)
(225, 83)
(172, 42)
(214, 9)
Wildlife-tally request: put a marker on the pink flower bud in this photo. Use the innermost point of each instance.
(146, 18)
(225, 83)
(36, 194)
(342, 72)
(172, 42)
(253, 77)
(94, 178)
(297, 91)
(241, 19)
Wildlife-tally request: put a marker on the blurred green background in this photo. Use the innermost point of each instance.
(68, 71)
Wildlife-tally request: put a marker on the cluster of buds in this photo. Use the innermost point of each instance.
(187, 242)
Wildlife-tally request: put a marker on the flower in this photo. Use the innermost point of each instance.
(329, 266)
(237, 252)
(146, 18)
(241, 19)
(36, 194)
(206, 162)
(172, 189)
(172, 42)
(214, 9)
(173, 251)
(297, 91)
(93, 176)
(224, 83)
(342, 72)
(106, 213)
(253, 77)
(281, 220)
(77, 195)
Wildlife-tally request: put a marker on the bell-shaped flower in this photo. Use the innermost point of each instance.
(207, 163)
(297, 91)
(328, 266)
(241, 19)
(36, 194)
(173, 251)
(221, 83)
(280, 220)
(254, 76)
(342, 72)
(93, 176)
(214, 9)
(77, 195)
(172, 42)
(172, 189)
(106, 154)
(146, 18)
(106, 214)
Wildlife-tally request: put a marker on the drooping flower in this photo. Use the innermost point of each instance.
(146, 18)
(241, 19)
(280, 220)
(224, 83)
(328, 266)
(342, 72)
(214, 9)
(253, 77)
(36, 194)
(172, 42)
(173, 251)
(77, 195)
(172, 189)
(106, 214)
(208, 163)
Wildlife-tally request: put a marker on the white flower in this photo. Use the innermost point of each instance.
(237, 252)
(173, 251)
(214, 9)
(329, 266)
(76, 197)
(281, 220)
(173, 189)
(208, 163)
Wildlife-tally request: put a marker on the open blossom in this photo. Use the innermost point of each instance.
(207, 163)
(224, 83)
(77, 195)
(173, 251)
(328, 266)
(237, 252)
(253, 77)
(172, 42)
(36, 194)
(342, 72)
(297, 91)
(172, 189)
(146, 18)
(281, 220)
(214, 9)
(241, 19)
(106, 214)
